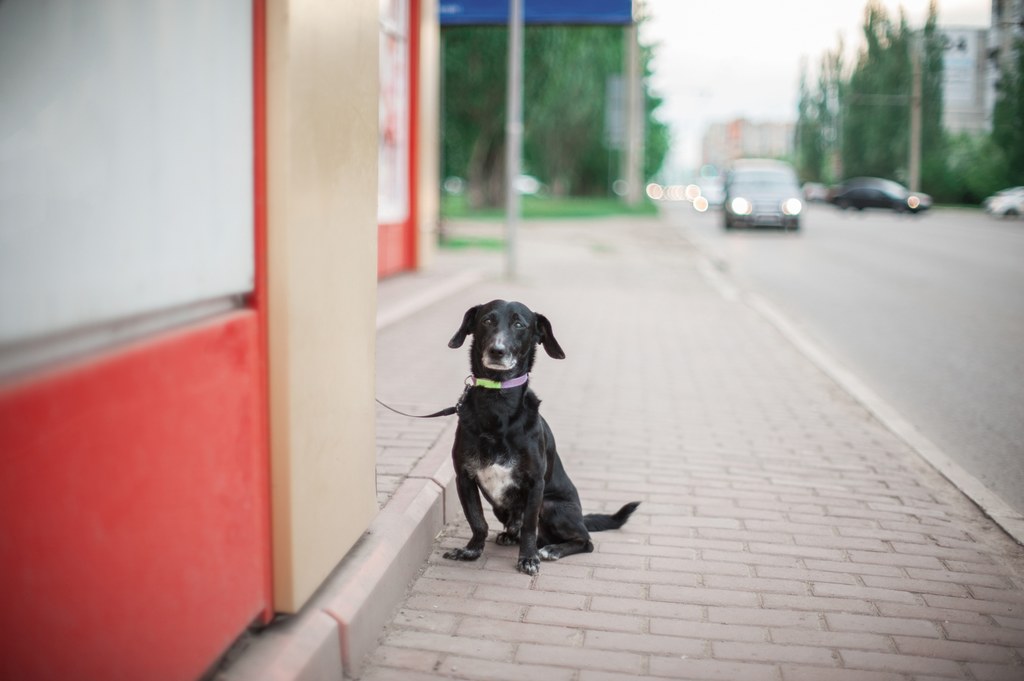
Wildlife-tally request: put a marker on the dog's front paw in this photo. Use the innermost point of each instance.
(506, 539)
(462, 554)
(529, 566)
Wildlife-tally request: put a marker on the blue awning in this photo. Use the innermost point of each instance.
(478, 12)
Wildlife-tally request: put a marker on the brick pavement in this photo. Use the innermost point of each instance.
(784, 533)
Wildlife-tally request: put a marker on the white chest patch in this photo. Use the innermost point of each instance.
(495, 480)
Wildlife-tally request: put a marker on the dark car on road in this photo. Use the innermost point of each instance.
(762, 192)
(875, 192)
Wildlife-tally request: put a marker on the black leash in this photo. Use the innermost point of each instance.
(447, 411)
(471, 382)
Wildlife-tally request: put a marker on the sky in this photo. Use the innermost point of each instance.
(720, 60)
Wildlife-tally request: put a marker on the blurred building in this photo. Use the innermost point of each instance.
(966, 86)
(740, 138)
(191, 235)
(973, 61)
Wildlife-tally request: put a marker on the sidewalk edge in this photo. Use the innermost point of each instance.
(990, 503)
(363, 594)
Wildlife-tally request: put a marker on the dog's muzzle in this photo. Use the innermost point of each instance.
(497, 356)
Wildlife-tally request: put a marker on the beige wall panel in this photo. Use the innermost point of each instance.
(429, 134)
(322, 254)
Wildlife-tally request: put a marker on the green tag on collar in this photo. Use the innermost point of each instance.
(487, 383)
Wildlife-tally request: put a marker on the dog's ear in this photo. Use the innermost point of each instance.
(546, 338)
(468, 320)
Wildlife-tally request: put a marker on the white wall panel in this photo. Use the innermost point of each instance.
(126, 161)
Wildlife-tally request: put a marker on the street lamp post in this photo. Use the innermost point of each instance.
(915, 113)
(513, 132)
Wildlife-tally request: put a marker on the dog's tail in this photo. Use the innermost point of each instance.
(596, 522)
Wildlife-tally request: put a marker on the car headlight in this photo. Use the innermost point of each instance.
(913, 201)
(792, 206)
(740, 206)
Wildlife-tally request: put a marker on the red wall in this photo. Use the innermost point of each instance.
(396, 242)
(396, 248)
(134, 509)
(134, 493)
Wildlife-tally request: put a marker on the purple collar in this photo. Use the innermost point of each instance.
(497, 385)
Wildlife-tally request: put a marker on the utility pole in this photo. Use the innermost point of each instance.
(634, 169)
(915, 114)
(513, 132)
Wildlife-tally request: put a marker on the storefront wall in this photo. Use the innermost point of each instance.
(188, 271)
(134, 499)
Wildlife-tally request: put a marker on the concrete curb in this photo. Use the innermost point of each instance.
(303, 648)
(369, 584)
(991, 504)
(334, 633)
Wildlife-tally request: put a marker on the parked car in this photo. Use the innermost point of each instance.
(1006, 203)
(875, 192)
(815, 192)
(761, 192)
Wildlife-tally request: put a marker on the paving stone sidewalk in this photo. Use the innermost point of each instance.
(784, 532)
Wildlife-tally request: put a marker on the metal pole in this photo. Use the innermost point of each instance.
(915, 115)
(513, 132)
(634, 119)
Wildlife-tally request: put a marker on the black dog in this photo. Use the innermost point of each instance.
(505, 449)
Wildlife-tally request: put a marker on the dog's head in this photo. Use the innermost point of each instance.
(505, 338)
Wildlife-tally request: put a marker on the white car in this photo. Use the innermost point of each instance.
(1006, 203)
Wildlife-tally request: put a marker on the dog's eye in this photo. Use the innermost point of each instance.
(519, 325)
(487, 321)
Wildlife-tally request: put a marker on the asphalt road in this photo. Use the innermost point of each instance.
(927, 310)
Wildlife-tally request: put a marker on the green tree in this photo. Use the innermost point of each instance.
(935, 174)
(875, 104)
(874, 118)
(978, 165)
(831, 93)
(566, 70)
(656, 133)
(810, 138)
(1007, 131)
(473, 121)
(875, 115)
(818, 124)
(563, 117)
